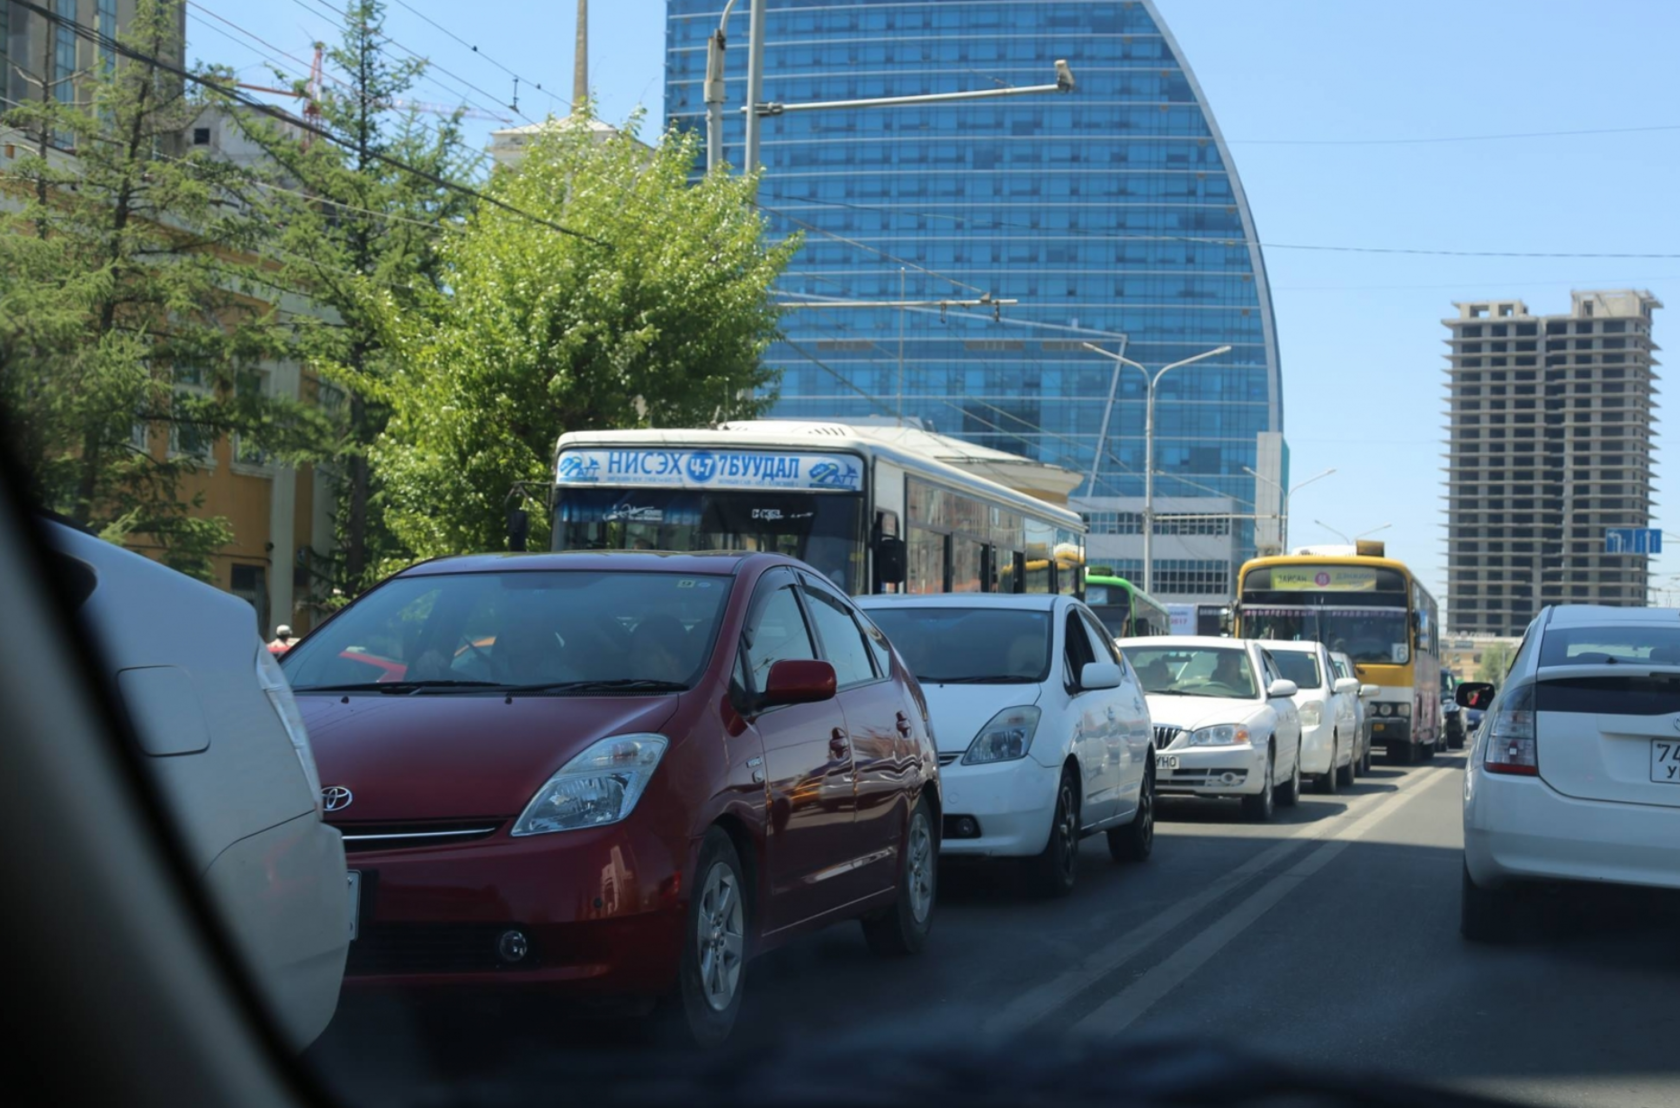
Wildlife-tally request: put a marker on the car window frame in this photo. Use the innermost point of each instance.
(777, 577)
(1099, 633)
(809, 583)
(1071, 681)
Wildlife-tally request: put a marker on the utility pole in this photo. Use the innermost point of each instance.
(1150, 381)
(903, 297)
(580, 63)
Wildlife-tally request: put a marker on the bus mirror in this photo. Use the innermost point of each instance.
(519, 528)
(889, 560)
(1225, 621)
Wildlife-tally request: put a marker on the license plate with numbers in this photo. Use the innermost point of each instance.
(1665, 761)
(1166, 761)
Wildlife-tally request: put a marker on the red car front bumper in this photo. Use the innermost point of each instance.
(595, 911)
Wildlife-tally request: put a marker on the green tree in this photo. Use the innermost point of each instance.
(359, 208)
(1496, 660)
(134, 312)
(657, 314)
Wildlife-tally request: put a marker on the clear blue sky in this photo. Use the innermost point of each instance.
(1295, 85)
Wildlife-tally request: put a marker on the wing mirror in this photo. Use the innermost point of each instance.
(1474, 694)
(798, 681)
(1099, 675)
(1368, 691)
(1347, 685)
(1282, 689)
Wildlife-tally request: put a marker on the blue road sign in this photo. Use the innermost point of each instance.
(1632, 540)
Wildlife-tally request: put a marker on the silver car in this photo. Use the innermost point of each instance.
(220, 738)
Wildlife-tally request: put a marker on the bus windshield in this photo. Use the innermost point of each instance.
(825, 530)
(1370, 635)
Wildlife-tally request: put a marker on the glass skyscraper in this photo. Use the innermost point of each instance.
(1111, 214)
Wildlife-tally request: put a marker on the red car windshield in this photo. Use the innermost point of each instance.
(516, 629)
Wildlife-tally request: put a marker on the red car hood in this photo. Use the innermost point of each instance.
(458, 757)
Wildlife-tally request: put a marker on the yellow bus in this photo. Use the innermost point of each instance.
(1357, 601)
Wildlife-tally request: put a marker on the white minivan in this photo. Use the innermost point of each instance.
(1043, 732)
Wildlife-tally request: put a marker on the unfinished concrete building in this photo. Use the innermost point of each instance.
(1550, 435)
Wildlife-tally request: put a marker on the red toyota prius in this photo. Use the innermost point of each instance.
(620, 774)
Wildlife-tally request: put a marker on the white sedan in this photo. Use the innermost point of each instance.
(1043, 733)
(1225, 720)
(1330, 741)
(1574, 774)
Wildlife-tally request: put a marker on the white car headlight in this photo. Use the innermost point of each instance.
(279, 692)
(1402, 709)
(1311, 715)
(1224, 734)
(598, 787)
(1006, 736)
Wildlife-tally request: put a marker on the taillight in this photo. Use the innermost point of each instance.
(1511, 745)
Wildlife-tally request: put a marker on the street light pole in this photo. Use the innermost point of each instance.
(755, 82)
(714, 92)
(756, 107)
(1149, 445)
(1288, 495)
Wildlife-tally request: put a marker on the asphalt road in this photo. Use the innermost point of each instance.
(1326, 939)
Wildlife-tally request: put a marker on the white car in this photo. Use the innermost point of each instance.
(217, 730)
(1043, 733)
(1362, 726)
(1574, 774)
(1225, 720)
(1330, 743)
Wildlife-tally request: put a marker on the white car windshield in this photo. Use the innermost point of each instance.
(1194, 671)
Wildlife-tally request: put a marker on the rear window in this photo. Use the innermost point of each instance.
(1297, 667)
(1633, 695)
(970, 645)
(1647, 643)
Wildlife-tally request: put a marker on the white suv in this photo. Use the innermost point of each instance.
(1575, 773)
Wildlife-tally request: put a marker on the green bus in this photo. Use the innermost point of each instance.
(1126, 610)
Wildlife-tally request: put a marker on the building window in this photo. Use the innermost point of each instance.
(201, 136)
(187, 436)
(64, 51)
(105, 22)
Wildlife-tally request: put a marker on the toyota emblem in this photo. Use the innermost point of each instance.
(335, 798)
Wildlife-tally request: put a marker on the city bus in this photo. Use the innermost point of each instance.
(1357, 601)
(853, 501)
(1126, 610)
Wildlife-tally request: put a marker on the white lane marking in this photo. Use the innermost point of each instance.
(1122, 1009)
(1037, 1003)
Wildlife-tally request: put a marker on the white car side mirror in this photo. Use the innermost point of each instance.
(1099, 675)
(1368, 692)
(1282, 689)
(1347, 684)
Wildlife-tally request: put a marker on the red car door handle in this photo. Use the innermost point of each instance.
(903, 725)
(837, 743)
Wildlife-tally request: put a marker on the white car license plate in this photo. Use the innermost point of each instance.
(1665, 761)
(1166, 761)
(354, 878)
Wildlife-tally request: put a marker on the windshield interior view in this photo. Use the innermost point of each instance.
(839, 552)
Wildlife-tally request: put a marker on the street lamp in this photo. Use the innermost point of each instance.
(1287, 495)
(1148, 440)
(756, 107)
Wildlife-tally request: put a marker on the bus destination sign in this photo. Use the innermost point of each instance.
(710, 469)
(1323, 579)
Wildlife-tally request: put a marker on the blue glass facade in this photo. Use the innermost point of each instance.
(1106, 212)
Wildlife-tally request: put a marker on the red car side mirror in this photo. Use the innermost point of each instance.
(798, 682)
